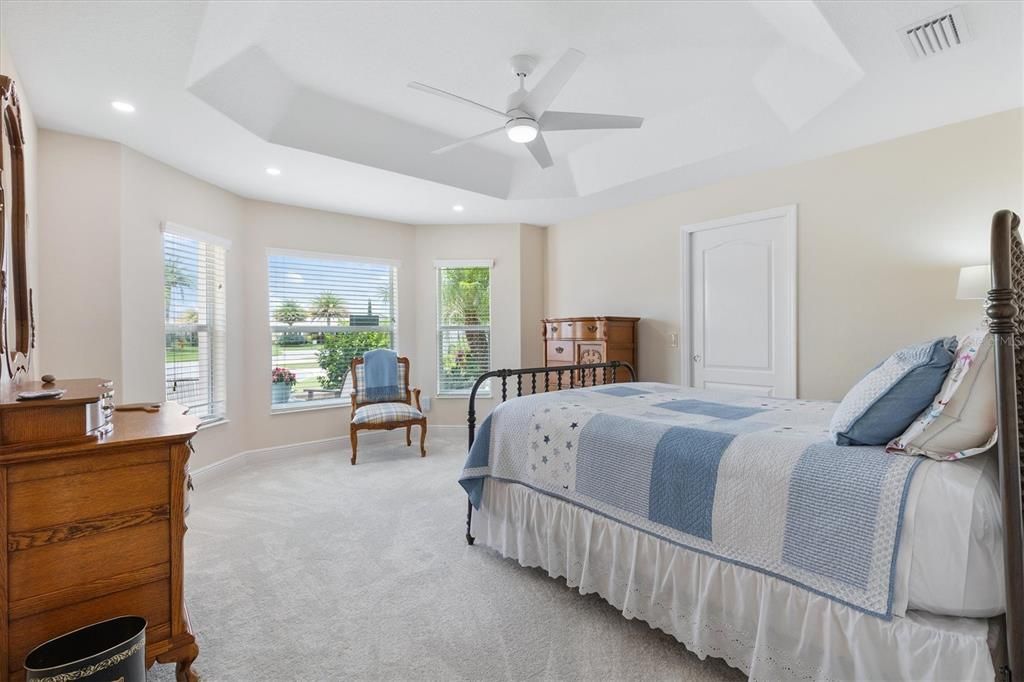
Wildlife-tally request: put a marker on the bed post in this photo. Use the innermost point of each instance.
(1005, 309)
(471, 419)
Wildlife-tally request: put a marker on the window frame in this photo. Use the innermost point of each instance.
(440, 328)
(276, 328)
(217, 344)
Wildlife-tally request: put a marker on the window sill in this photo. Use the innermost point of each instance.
(308, 406)
(461, 396)
(214, 422)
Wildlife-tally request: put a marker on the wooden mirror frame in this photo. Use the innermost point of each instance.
(17, 354)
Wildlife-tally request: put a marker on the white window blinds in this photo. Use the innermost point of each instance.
(194, 322)
(324, 311)
(463, 325)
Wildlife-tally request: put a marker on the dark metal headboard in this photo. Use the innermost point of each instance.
(1006, 322)
(578, 376)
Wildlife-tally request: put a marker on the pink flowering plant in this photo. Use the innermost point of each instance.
(282, 375)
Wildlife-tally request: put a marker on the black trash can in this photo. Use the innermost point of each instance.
(114, 649)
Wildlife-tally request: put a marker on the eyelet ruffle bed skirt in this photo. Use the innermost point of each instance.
(759, 624)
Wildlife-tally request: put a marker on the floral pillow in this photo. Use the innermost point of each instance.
(961, 421)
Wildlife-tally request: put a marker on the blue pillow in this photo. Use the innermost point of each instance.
(884, 403)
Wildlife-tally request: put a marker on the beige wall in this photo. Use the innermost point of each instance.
(286, 227)
(125, 197)
(504, 245)
(78, 296)
(103, 274)
(883, 231)
(151, 194)
(533, 278)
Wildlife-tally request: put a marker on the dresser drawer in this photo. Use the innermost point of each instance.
(87, 561)
(47, 502)
(560, 352)
(589, 330)
(559, 330)
(151, 601)
(572, 329)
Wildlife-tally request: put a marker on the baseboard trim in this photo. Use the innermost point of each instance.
(239, 460)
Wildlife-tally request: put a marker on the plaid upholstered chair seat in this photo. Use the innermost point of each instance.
(373, 410)
(382, 413)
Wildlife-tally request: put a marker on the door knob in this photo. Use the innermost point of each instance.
(696, 358)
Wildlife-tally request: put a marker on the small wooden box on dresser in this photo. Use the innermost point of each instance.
(588, 340)
(93, 521)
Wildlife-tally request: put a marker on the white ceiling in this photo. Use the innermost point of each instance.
(318, 89)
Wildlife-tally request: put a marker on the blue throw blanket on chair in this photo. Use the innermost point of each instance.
(381, 375)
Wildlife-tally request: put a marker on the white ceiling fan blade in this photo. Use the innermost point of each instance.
(453, 145)
(448, 95)
(541, 97)
(568, 120)
(539, 148)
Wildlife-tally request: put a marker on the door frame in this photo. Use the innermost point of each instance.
(789, 215)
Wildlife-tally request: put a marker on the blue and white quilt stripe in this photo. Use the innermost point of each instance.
(746, 479)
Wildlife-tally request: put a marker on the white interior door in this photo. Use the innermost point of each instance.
(739, 281)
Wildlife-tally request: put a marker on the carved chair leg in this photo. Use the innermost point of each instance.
(353, 436)
(423, 439)
(408, 436)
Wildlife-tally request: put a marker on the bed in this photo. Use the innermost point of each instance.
(732, 523)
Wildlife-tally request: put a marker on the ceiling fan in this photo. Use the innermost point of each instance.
(526, 112)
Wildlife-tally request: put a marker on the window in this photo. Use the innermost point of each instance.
(324, 311)
(194, 321)
(463, 325)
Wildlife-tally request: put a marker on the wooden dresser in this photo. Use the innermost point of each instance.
(93, 522)
(587, 340)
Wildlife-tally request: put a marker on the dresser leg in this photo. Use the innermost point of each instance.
(183, 671)
(183, 658)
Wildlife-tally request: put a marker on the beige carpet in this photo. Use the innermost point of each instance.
(307, 568)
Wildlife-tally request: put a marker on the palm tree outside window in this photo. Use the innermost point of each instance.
(464, 325)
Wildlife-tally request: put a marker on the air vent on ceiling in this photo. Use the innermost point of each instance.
(937, 34)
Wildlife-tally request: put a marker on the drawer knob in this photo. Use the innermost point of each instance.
(559, 349)
(591, 328)
(554, 329)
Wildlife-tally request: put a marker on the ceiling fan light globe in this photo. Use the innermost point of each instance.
(522, 130)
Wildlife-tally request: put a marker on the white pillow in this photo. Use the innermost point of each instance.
(961, 421)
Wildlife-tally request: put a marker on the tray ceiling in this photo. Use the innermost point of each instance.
(224, 90)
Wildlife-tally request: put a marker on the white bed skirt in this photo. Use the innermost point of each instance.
(763, 626)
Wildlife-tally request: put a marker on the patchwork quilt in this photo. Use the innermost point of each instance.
(750, 480)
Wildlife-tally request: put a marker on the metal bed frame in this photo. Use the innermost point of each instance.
(1005, 308)
(577, 379)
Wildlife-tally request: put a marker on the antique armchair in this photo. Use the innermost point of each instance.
(388, 415)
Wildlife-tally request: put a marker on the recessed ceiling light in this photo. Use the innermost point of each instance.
(123, 107)
(458, 208)
(273, 171)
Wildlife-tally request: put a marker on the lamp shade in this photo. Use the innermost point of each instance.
(974, 283)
